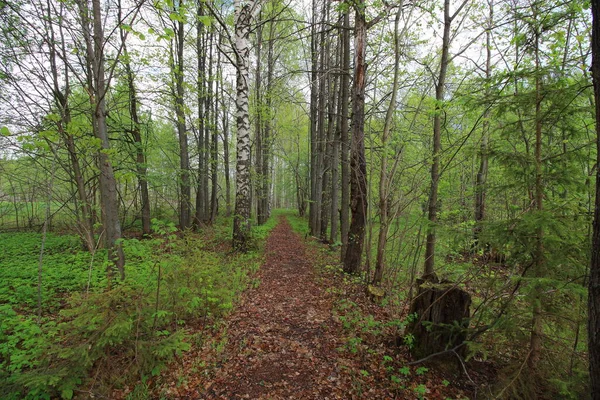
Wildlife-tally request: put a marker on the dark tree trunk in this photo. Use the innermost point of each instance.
(226, 152)
(265, 172)
(442, 317)
(358, 164)
(344, 137)
(258, 123)
(314, 99)
(594, 281)
(328, 108)
(184, 159)
(209, 125)
(214, 151)
(335, 172)
(201, 61)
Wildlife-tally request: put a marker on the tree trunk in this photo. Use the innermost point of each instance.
(314, 98)
(384, 219)
(241, 218)
(329, 95)
(214, 151)
(267, 143)
(141, 168)
(437, 147)
(226, 152)
(184, 159)
(443, 317)
(201, 61)
(258, 123)
(335, 171)
(209, 125)
(480, 180)
(538, 262)
(344, 138)
(358, 177)
(108, 183)
(594, 281)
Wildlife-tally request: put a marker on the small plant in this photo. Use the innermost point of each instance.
(420, 391)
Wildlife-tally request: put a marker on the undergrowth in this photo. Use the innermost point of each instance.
(90, 339)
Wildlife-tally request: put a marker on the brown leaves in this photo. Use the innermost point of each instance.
(284, 342)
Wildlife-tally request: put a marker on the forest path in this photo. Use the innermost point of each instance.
(285, 339)
(282, 338)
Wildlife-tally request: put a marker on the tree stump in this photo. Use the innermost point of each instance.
(442, 317)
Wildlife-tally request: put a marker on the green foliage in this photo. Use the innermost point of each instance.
(129, 331)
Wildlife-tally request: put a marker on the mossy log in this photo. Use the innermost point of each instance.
(443, 312)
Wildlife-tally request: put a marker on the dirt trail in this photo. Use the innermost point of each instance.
(282, 339)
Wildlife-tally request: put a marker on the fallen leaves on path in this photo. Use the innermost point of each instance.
(286, 340)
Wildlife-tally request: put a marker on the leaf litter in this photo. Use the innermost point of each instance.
(286, 339)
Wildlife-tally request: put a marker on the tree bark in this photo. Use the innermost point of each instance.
(201, 64)
(267, 143)
(214, 150)
(184, 159)
(481, 178)
(108, 183)
(258, 123)
(209, 125)
(358, 165)
(241, 218)
(226, 151)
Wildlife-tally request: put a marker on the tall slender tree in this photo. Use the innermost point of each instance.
(440, 89)
(594, 281)
(177, 70)
(344, 135)
(136, 133)
(384, 185)
(108, 184)
(244, 12)
(358, 163)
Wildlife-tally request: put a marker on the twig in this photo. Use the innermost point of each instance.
(439, 353)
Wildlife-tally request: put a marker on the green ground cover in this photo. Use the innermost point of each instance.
(122, 334)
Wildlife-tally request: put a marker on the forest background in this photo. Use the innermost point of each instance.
(455, 139)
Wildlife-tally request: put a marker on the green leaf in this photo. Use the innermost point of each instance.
(205, 19)
(4, 131)
(67, 394)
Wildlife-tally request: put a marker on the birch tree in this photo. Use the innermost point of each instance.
(244, 13)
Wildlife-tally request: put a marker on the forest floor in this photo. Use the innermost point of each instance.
(304, 331)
